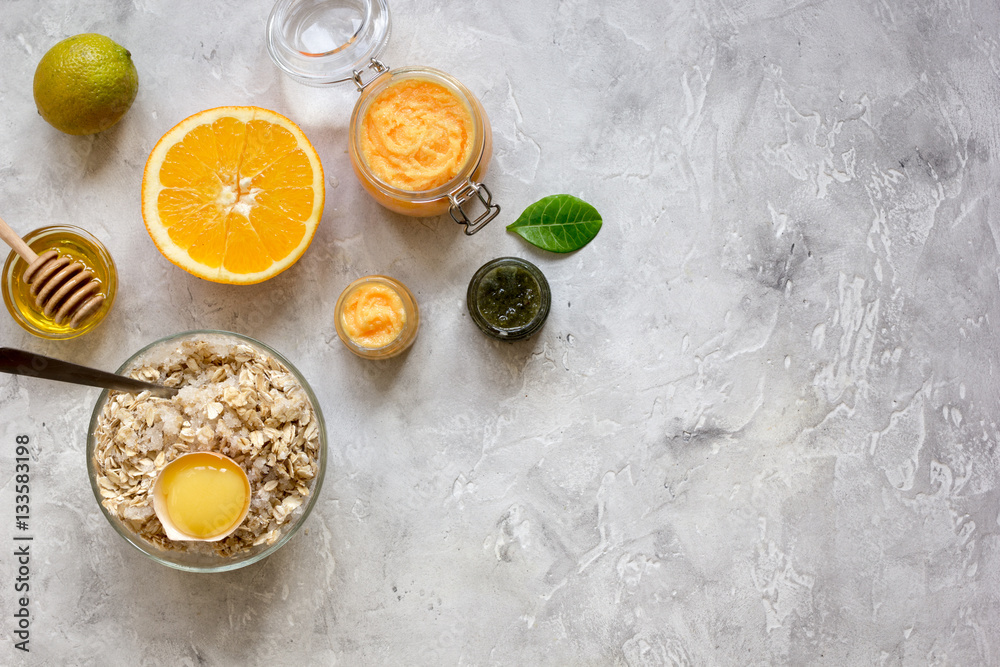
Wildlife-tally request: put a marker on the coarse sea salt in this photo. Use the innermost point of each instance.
(235, 400)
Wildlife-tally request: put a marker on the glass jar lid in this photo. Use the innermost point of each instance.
(321, 42)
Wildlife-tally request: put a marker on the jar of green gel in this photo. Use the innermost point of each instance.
(509, 298)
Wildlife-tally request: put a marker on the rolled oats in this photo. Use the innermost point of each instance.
(235, 400)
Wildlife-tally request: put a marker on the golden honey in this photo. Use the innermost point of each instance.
(66, 240)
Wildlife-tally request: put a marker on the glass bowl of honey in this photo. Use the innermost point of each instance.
(239, 401)
(76, 244)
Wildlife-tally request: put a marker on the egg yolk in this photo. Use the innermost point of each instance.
(204, 495)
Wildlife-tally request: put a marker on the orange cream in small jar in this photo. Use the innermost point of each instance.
(376, 317)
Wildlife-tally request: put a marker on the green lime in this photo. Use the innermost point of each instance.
(85, 84)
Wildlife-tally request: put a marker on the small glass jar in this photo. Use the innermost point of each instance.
(509, 298)
(376, 302)
(323, 42)
(73, 242)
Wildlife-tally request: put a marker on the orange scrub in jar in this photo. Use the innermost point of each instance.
(377, 317)
(373, 315)
(423, 148)
(417, 135)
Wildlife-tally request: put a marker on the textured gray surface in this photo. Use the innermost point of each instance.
(759, 427)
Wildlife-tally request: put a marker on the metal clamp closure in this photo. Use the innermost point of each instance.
(374, 64)
(465, 194)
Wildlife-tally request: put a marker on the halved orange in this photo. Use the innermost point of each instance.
(233, 194)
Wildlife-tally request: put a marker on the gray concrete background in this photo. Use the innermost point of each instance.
(758, 428)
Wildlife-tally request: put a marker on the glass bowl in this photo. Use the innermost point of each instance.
(72, 242)
(203, 560)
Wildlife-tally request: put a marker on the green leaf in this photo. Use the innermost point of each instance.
(558, 223)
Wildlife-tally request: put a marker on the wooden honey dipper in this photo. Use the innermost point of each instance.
(63, 288)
